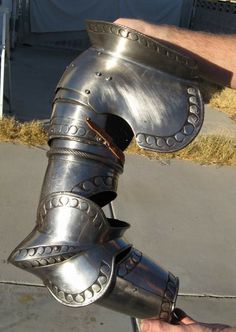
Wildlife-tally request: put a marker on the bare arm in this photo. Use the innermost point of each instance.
(215, 54)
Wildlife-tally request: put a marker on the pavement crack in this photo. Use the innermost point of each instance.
(214, 296)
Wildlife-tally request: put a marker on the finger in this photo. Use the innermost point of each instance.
(148, 325)
(155, 325)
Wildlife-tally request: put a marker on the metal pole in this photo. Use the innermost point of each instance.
(135, 324)
(2, 63)
(134, 321)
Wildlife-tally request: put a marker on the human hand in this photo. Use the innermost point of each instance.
(185, 324)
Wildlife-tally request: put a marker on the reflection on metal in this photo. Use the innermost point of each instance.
(127, 85)
(5, 67)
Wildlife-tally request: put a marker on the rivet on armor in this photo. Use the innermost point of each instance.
(170, 141)
(179, 137)
(69, 298)
(165, 307)
(31, 252)
(55, 202)
(59, 259)
(64, 248)
(123, 33)
(73, 130)
(102, 280)
(98, 181)
(143, 41)
(88, 294)
(194, 109)
(51, 260)
(56, 249)
(140, 138)
(87, 91)
(40, 250)
(24, 252)
(99, 53)
(35, 263)
(43, 262)
(98, 73)
(74, 203)
(192, 91)
(193, 100)
(133, 36)
(188, 129)
(79, 298)
(48, 250)
(81, 131)
(151, 140)
(87, 186)
(108, 78)
(84, 206)
(61, 295)
(64, 200)
(109, 181)
(96, 288)
(193, 119)
(114, 30)
(65, 129)
(161, 142)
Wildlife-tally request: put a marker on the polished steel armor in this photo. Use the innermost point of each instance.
(126, 84)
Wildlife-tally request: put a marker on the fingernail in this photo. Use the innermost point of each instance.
(180, 314)
(145, 326)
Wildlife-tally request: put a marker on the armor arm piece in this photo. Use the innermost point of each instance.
(125, 85)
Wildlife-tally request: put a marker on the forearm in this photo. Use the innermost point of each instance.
(216, 63)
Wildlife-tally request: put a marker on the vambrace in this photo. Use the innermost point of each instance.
(126, 84)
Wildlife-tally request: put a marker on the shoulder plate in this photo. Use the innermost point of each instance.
(148, 87)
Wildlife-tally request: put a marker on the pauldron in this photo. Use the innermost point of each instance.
(126, 84)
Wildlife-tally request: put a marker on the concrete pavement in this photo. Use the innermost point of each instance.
(183, 215)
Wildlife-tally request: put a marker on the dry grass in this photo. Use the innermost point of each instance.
(29, 133)
(222, 98)
(225, 100)
(213, 149)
